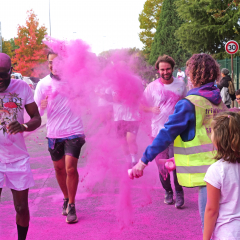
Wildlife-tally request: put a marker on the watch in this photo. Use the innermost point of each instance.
(25, 126)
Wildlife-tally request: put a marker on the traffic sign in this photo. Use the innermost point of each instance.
(231, 47)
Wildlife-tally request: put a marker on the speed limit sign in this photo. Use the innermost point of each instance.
(231, 47)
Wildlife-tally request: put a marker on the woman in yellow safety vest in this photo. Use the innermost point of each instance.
(189, 128)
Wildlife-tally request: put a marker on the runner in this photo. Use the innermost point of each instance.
(104, 109)
(15, 95)
(65, 137)
(126, 120)
(160, 98)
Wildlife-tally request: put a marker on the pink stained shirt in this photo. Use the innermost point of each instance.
(61, 121)
(164, 96)
(12, 104)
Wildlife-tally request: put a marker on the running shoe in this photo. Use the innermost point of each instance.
(168, 199)
(71, 216)
(179, 199)
(65, 204)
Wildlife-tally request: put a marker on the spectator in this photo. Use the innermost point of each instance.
(237, 93)
(222, 214)
(180, 74)
(224, 82)
(225, 79)
(225, 97)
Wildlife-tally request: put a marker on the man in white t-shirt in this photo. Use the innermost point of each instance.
(159, 99)
(15, 95)
(180, 74)
(65, 136)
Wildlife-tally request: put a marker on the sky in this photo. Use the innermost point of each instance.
(103, 24)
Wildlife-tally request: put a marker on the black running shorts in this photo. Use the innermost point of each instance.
(123, 127)
(71, 147)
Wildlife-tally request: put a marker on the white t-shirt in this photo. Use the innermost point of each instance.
(12, 104)
(125, 113)
(61, 121)
(100, 92)
(226, 177)
(181, 75)
(122, 111)
(164, 96)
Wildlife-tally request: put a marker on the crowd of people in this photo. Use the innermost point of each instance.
(196, 127)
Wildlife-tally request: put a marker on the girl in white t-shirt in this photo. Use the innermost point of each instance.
(222, 213)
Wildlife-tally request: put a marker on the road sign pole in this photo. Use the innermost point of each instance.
(232, 75)
(232, 47)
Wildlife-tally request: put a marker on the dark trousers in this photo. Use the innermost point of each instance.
(163, 172)
(166, 183)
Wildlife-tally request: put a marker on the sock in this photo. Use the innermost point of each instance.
(22, 232)
(134, 158)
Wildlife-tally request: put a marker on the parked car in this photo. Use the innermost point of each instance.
(17, 75)
(29, 82)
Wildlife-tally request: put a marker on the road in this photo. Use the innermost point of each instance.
(109, 205)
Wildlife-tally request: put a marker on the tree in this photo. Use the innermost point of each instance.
(31, 52)
(14, 46)
(7, 48)
(148, 19)
(208, 25)
(165, 41)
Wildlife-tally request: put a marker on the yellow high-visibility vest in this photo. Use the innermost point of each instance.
(194, 157)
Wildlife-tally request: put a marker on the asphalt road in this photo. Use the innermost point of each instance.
(108, 206)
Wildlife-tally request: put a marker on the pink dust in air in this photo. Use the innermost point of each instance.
(96, 87)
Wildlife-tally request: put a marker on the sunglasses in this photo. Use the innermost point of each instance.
(5, 74)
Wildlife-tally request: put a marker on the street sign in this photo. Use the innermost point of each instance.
(231, 47)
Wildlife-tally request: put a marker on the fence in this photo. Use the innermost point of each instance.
(225, 63)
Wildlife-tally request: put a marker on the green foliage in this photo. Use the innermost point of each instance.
(208, 25)
(165, 41)
(14, 46)
(7, 48)
(148, 19)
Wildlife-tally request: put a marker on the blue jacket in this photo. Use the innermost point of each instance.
(182, 122)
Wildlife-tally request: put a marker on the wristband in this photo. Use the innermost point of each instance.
(25, 126)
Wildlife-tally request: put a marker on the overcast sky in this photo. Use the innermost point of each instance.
(103, 24)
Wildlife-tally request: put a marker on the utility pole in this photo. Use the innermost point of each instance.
(50, 19)
(0, 38)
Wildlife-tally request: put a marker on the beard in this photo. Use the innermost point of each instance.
(4, 84)
(166, 77)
